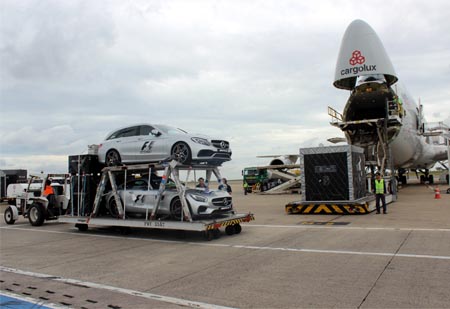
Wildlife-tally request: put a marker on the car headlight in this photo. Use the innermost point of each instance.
(201, 141)
(199, 198)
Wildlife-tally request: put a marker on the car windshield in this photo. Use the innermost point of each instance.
(170, 130)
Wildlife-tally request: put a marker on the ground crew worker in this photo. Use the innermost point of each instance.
(379, 193)
(225, 186)
(245, 187)
(48, 189)
(49, 193)
(201, 183)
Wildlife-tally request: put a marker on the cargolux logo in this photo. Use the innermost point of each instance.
(357, 58)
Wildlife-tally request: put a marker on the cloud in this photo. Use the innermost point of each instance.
(257, 73)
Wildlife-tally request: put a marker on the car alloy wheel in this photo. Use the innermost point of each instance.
(181, 153)
(112, 158)
(176, 208)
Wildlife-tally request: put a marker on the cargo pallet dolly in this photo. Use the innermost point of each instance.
(209, 227)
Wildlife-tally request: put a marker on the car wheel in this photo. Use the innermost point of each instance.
(113, 208)
(182, 153)
(176, 209)
(112, 158)
(36, 215)
(9, 216)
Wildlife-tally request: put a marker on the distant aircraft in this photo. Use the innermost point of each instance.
(288, 159)
(382, 119)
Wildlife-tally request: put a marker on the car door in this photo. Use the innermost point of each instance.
(126, 143)
(152, 147)
(139, 196)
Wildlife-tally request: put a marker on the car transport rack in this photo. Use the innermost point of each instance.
(210, 227)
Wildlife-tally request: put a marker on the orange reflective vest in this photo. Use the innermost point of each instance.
(48, 190)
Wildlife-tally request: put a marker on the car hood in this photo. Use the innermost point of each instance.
(210, 193)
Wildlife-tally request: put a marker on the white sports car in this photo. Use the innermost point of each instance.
(140, 197)
(152, 143)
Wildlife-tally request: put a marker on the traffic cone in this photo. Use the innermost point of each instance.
(437, 193)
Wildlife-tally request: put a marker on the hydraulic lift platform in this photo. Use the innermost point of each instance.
(361, 206)
(210, 226)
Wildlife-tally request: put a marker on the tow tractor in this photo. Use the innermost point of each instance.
(112, 205)
(33, 205)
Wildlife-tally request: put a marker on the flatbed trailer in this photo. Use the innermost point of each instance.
(209, 226)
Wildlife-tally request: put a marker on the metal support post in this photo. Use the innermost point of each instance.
(162, 187)
(116, 195)
(98, 195)
(217, 174)
(181, 189)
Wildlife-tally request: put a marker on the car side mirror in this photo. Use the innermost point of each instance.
(155, 132)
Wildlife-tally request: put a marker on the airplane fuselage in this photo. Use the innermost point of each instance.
(380, 117)
(410, 149)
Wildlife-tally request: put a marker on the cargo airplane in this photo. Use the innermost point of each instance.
(379, 116)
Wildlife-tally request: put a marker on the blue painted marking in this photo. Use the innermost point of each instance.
(18, 303)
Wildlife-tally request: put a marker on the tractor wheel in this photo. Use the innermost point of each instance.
(36, 215)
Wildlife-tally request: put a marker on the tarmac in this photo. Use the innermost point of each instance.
(397, 260)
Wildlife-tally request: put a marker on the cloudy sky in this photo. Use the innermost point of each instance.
(258, 73)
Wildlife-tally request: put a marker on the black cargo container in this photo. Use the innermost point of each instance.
(85, 170)
(334, 173)
(84, 164)
(12, 176)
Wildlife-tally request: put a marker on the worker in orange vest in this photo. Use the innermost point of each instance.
(48, 188)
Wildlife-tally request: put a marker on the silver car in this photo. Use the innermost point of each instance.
(152, 143)
(140, 196)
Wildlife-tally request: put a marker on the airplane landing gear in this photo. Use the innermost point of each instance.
(426, 178)
(401, 176)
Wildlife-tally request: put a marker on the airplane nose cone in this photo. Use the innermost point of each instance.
(361, 53)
